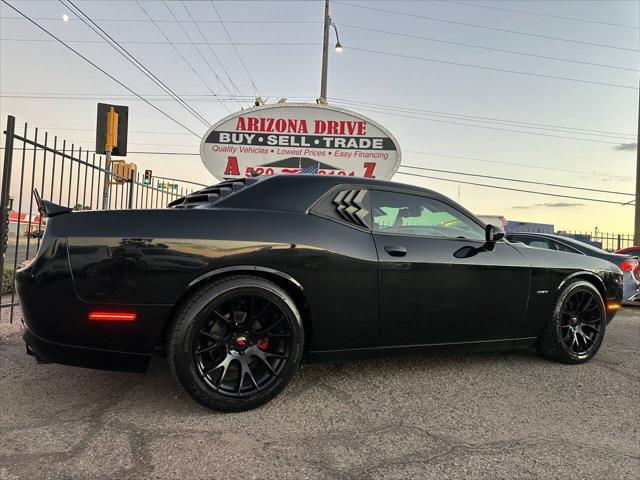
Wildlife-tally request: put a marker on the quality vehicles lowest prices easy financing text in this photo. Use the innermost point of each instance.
(242, 281)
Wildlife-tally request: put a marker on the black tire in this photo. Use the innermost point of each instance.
(225, 329)
(574, 331)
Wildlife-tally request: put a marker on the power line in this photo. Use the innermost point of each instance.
(179, 180)
(512, 189)
(495, 69)
(233, 85)
(415, 116)
(418, 117)
(141, 20)
(156, 144)
(567, 129)
(102, 70)
(517, 180)
(180, 54)
(424, 17)
(345, 102)
(443, 171)
(133, 60)
(482, 47)
(167, 153)
(512, 164)
(246, 70)
(150, 42)
(197, 96)
(128, 151)
(159, 98)
(93, 130)
(538, 14)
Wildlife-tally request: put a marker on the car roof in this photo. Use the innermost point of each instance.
(578, 244)
(331, 180)
(285, 192)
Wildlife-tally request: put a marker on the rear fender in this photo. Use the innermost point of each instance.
(284, 280)
(244, 269)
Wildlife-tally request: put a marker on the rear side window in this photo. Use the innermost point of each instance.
(563, 248)
(545, 243)
(346, 205)
(540, 244)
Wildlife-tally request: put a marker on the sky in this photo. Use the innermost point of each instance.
(538, 91)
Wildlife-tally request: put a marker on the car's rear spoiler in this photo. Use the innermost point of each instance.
(49, 209)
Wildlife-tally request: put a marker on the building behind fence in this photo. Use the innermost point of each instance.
(64, 174)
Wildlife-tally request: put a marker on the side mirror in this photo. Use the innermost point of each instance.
(492, 235)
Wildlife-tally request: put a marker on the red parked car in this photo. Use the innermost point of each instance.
(635, 251)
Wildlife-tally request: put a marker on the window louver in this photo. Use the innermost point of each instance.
(210, 195)
(350, 205)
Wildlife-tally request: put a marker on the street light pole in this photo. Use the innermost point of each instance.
(325, 51)
(636, 231)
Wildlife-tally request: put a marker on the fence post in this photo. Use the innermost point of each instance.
(6, 185)
(619, 247)
(107, 182)
(131, 184)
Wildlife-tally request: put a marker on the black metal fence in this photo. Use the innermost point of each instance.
(607, 241)
(74, 177)
(67, 175)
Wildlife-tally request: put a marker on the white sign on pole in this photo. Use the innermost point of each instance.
(299, 138)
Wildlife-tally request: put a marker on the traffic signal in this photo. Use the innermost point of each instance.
(147, 177)
(111, 129)
(10, 205)
(122, 171)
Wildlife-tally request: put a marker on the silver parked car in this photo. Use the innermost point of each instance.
(629, 265)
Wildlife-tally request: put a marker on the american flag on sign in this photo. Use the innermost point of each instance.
(311, 169)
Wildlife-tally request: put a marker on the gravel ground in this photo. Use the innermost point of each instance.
(472, 416)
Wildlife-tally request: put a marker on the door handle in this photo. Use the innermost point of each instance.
(396, 250)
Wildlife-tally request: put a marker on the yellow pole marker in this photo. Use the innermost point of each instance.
(112, 130)
(111, 141)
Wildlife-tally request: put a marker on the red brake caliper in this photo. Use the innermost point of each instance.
(263, 344)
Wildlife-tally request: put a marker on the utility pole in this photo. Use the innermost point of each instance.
(325, 52)
(636, 231)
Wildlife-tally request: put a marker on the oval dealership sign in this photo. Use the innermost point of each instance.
(299, 138)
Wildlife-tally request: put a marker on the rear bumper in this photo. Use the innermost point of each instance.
(54, 352)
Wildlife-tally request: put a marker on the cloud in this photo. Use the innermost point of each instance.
(627, 146)
(550, 205)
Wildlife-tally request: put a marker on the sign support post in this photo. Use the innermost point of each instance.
(111, 139)
(110, 142)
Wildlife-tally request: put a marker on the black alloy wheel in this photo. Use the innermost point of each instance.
(237, 343)
(242, 344)
(574, 331)
(582, 322)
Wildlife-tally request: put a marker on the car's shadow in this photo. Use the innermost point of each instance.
(158, 381)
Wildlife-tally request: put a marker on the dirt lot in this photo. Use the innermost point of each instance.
(490, 415)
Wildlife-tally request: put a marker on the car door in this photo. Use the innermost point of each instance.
(438, 284)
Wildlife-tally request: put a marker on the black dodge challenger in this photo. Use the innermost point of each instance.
(241, 282)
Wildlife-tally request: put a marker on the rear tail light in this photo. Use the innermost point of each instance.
(629, 264)
(105, 316)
